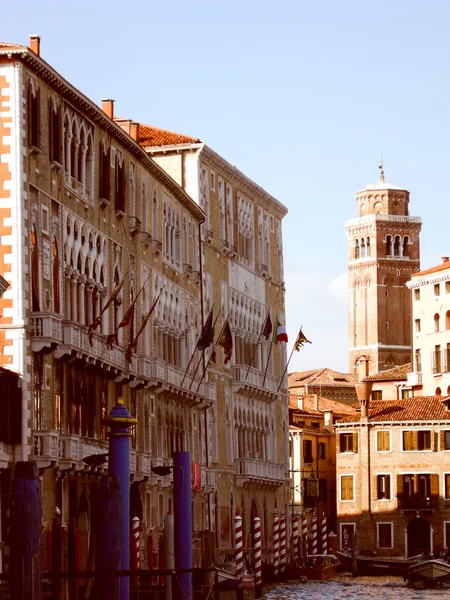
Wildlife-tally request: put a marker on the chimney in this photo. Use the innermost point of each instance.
(445, 259)
(363, 391)
(35, 44)
(108, 107)
(316, 402)
(363, 368)
(134, 131)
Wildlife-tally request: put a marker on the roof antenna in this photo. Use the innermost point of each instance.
(380, 166)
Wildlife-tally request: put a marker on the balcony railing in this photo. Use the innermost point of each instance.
(254, 378)
(258, 469)
(46, 330)
(415, 378)
(416, 502)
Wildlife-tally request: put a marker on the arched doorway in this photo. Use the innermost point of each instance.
(418, 536)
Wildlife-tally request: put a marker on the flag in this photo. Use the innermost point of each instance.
(213, 353)
(133, 344)
(280, 334)
(207, 335)
(226, 341)
(267, 329)
(110, 300)
(301, 339)
(127, 319)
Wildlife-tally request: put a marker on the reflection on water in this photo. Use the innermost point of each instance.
(346, 586)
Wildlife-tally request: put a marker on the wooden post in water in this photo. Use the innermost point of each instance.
(354, 563)
(109, 537)
(57, 554)
(26, 532)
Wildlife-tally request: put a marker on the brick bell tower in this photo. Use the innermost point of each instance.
(383, 254)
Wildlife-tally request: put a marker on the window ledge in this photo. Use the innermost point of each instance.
(56, 165)
(34, 150)
(103, 202)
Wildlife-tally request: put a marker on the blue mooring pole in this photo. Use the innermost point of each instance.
(182, 586)
(119, 421)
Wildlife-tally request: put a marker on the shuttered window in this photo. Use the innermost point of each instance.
(347, 492)
(447, 486)
(445, 440)
(383, 441)
(408, 443)
(383, 487)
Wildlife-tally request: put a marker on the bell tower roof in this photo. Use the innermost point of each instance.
(382, 184)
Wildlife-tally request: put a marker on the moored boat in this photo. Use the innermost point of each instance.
(378, 565)
(319, 567)
(429, 573)
(226, 574)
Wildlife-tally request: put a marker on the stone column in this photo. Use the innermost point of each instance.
(73, 296)
(67, 293)
(81, 299)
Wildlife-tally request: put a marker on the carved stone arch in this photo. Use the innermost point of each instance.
(388, 281)
(367, 281)
(356, 283)
(377, 208)
(391, 360)
(72, 258)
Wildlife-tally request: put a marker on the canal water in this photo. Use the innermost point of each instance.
(348, 587)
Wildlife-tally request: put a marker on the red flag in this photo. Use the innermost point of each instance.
(226, 341)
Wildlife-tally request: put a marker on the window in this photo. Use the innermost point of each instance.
(418, 361)
(416, 294)
(445, 439)
(212, 181)
(436, 322)
(348, 442)
(417, 325)
(347, 533)
(383, 487)
(322, 450)
(383, 441)
(54, 131)
(347, 488)
(384, 531)
(417, 440)
(33, 115)
(447, 287)
(104, 179)
(377, 395)
(447, 320)
(447, 486)
(437, 289)
(436, 360)
(307, 451)
(407, 393)
(119, 183)
(446, 534)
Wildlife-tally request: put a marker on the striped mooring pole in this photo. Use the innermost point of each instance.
(283, 542)
(304, 539)
(276, 542)
(258, 558)
(314, 535)
(324, 535)
(239, 556)
(135, 526)
(295, 521)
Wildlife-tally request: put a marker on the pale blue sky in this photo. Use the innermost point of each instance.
(301, 96)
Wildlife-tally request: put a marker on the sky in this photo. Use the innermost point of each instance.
(303, 97)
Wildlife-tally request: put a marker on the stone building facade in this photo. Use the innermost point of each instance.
(326, 383)
(243, 282)
(383, 254)
(95, 231)
(393, 476)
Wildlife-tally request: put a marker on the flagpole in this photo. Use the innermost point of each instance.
(203, 355)
(270, 352)
(194, 351)
(209, 360)
(112, 336)
(257, 344)
(133, 344)
(287, 364)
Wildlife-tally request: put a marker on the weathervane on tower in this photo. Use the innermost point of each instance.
(381, 167)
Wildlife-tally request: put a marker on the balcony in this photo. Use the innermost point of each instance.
(187, 269)
(415, 378)
(249, 382)
(75, 340)
(264, 271)
(64, 450)
(224, 246)
(156, 247)
(251, 471)
(416, 502)
(46, 331)
(233, 250)
(135, 225)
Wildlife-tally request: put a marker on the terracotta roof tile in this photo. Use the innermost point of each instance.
(396, 373)
(421, 408)
(321, 377)
(324, 404)
(442, 267)
(7, 45)
(153, 136)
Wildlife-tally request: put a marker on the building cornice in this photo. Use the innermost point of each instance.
(86, 106)
(429, 280)
(379, 218)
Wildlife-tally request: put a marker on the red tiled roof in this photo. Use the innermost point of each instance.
(441, 267)
(421, 408)
(153, 136)
(321, 377)
(396, 373)
(8, 46)
(323, 404)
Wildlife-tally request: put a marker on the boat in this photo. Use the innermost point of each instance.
(378, 565)
(319, 567)
(431, 573)
(226, 575)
